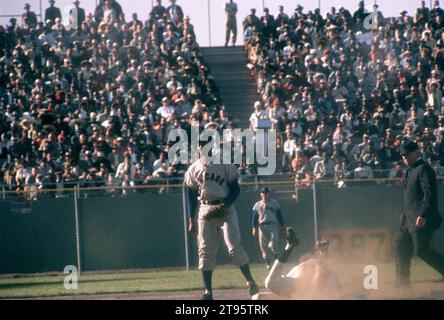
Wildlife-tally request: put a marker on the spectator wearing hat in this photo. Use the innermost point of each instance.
(436, 11)
(289, 151)
(268, 20)
(300, 161)
(52, 12)
(166, 110)
(76, 15)
(434, 93)
(258, 114)
(109, 14)
(422, 14)
(159, 11)
(267, 225)
(421, 216)
(29, 18)
(359, 16)
(175, 12)
(251, 20)
(99, 12)
(281, 16)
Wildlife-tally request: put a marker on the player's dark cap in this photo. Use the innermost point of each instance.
(265, 190)
(408, 147)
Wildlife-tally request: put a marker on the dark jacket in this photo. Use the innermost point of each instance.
(421, 196)
(52, 13)
(81, 16)
(179, 12)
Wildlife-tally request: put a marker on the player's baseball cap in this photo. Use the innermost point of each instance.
(408, 147)
(265, 190)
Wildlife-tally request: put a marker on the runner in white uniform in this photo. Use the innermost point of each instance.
(312, 279)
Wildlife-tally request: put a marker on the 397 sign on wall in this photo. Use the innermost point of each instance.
(360, 245)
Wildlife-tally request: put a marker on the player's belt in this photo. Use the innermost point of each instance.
(212, 203)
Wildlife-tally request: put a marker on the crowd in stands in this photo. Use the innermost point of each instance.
(92, 103)
(344, 91)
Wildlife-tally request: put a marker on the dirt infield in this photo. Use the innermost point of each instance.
(224, 294)
(421, 291)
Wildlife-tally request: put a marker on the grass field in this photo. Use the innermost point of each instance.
(179, 281)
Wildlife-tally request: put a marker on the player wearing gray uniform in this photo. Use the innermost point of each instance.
(213, 185)
(267, 223)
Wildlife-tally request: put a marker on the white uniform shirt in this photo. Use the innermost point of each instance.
(313, 280)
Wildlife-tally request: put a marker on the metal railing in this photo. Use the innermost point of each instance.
(171, 185)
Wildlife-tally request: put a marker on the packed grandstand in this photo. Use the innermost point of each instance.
(93, 105)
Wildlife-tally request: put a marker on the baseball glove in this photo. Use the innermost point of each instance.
(216, 212)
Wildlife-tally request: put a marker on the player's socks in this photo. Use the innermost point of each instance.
(252, 286)
(207, 277)
(247, 273)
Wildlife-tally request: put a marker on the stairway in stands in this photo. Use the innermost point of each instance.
(237, 88)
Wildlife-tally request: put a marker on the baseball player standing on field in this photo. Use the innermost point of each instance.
(267, 223)
(216, 187)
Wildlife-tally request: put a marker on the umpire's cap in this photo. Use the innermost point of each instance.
(265, 190)
(408, 147)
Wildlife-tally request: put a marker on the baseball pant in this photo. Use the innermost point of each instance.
(279, 284)
(269, 241)
(407, 244)
(208, 239)
(231, 27)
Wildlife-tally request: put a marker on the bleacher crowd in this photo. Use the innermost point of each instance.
(345, 90)
(91, 102)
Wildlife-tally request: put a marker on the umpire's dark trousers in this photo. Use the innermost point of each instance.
(408, 243)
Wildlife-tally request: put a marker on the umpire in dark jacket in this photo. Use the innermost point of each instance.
(421, 216)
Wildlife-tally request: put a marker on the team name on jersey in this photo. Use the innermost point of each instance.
(214, 177)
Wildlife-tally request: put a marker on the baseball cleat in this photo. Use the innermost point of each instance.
(291, 237)
(252, 288)
(207, 296)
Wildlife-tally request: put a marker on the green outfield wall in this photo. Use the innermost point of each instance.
(146, 230)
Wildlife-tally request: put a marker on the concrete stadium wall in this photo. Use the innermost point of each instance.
(147, 231)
